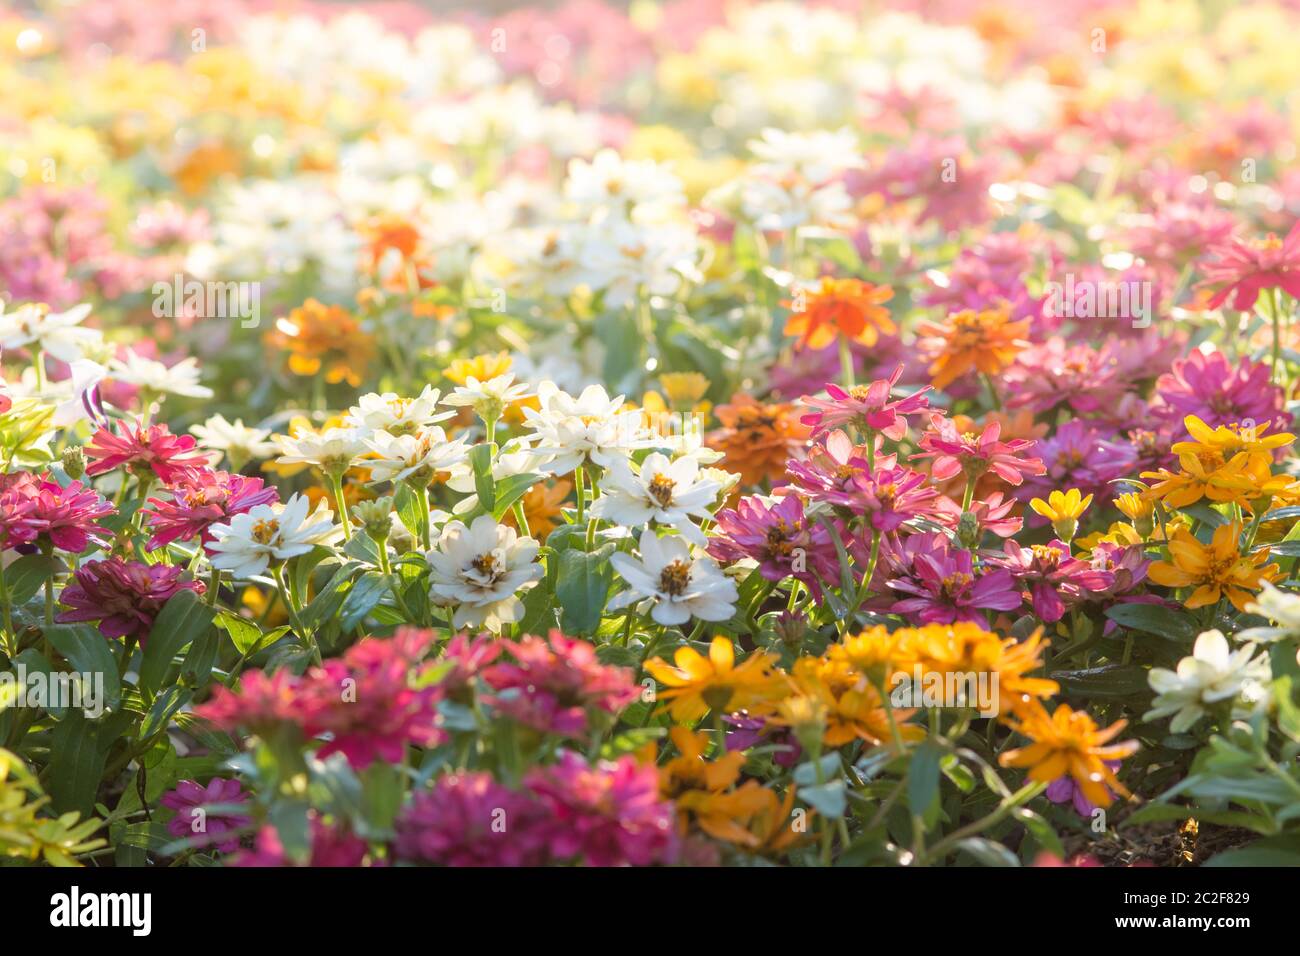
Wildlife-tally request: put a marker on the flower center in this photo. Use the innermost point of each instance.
(486, 565)
(661, 490)
(674, 578)
(265, 530)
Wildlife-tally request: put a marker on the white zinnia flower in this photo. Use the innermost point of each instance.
(614, 186)
(592, 427)
(415, 457)
(669, 493)
(813, 157)
(152, 376)
(480, 569)
(333, 450)
(246, 544)
(490, 398)
(236, 439)
(1281, 607)
(396, 415)
(1213, 673)
(57, 333)
(679, 586)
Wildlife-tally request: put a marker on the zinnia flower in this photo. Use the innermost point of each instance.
(867, 407)
(468, 819)
(1244, 268)
(1069, 742)
(956, 453)
(479, 570)
(779, 535)
(143, 449)
(676, 584)
(1211, 675)
(757, 439)
(840, 307)
(198, 503)
(123, 596)
(200, 825)
(698, 684)
(67, 516)
(984, 341)
(1217, 570)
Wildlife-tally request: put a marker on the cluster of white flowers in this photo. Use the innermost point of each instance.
(643, 486)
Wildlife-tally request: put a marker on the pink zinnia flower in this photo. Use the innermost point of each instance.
(945, 587)
(123, 596)
(1079, 456)
(210, 827)
(866, 406)
(67, 516)
(607, 815)
(993, 514)
(17, 527)
(780, 537)
(1052, 577)
(973, 455)
(468, 658)
(1245, 268)
(553, 684)
(891, 497)
(832, 466)
(172, 458)
(1212, 389)
(202, 500)
(262, 702)
(331, 847)
(469, 819)
(366, 700)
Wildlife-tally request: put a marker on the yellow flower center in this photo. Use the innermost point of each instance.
(265, 530)
(674, 578)
(661, 490)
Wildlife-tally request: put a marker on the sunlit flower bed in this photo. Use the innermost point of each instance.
(688, 434)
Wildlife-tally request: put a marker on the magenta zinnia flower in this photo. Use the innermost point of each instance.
(210, 827)
(467, 657)
(67, 516)
(1209, 387)
(1053, 578)
(123, 596)
(469, 819)
(332, 846)
(202, 500)
(17, 527)
(172, 458)
(866, 406)
(780, 537)
(832, 465)
(973, 455)
(1245, 268)
(607, 815)
(262, 702)
(946, 588)
(1079, 456)
(993, 514)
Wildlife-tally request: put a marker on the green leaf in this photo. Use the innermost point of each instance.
(987, 852)
(244, 634)
(367, 591)
(1254, 856)
(165, 705)
(1154, 619)
(509, 490)
(183, 619)
(88, 652)
(582, 587)
(76, 763)
(25, 576)
(1109, 680)
(923, 778)
(480, 460)
(829, 799)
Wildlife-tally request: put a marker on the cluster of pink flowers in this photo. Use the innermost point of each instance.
(609, 814)
(38, 510)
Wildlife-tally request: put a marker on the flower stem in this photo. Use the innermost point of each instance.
(846, 362)
(336, 484)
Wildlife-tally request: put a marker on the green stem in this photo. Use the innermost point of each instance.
(846, 362)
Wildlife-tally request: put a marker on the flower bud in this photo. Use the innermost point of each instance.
(74, 462)
(375, 517)
(968, 530)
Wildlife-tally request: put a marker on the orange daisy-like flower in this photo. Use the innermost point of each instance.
(1216, 570)
(966, 648)
(851, 707)
(840, 307)
(324, 339)
(1069, 742)
(757, 438)
(698, 684)
(986, 341)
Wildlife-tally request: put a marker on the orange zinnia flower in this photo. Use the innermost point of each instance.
(758, 439)
(986, 341)
(542, 506)
(1218, 569)
(848, 307)
(1068, 742)
(324, 338)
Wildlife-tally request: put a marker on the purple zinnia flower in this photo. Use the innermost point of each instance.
(1209, 387)
(123, 596)
(780, 537)
(469, 819)
(202, 826)
(1053, 578)
(945, 587)
(1077, 456)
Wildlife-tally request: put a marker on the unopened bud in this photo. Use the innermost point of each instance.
(375, 517)
(791, 627)
(968, 530)
(74, 462)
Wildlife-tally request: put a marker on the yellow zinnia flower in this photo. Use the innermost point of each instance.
(698, 684)
(1063, 510)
